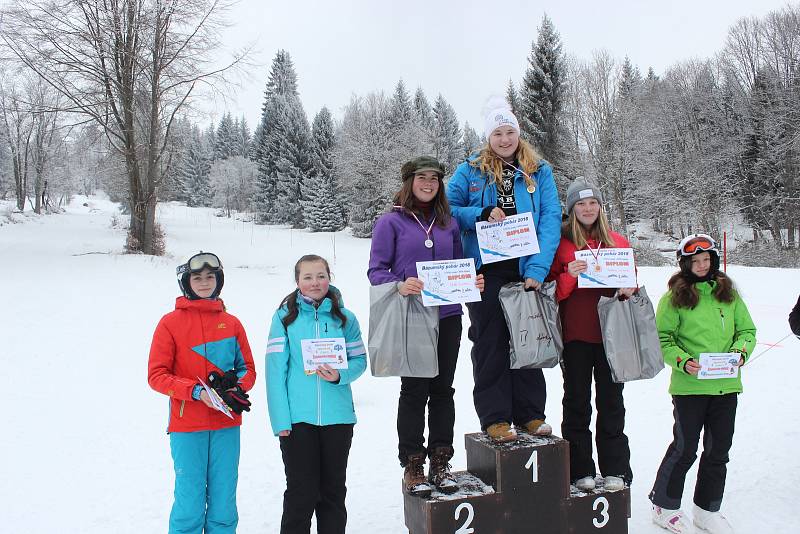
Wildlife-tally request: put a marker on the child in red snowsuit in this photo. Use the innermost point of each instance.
(196, 340)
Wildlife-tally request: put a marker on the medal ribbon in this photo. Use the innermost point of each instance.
(428, 231)
(595, 253)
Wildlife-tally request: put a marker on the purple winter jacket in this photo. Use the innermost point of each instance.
(398, 242)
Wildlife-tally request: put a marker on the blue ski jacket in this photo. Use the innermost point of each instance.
(470, 191)
(296, 397)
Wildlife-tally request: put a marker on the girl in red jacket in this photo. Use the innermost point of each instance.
(200, 342)
(587, 228)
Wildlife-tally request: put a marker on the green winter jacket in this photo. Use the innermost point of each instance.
(711, 326)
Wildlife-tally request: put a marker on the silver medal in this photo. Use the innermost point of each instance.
(428, 243)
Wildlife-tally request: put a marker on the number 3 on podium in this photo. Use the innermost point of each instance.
(600, 502)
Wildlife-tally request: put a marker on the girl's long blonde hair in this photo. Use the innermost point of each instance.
(600, 230)
(490, 163)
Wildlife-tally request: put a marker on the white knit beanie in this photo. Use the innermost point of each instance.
(498, 114)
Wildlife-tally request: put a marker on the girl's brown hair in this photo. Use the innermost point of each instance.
(684, 292)
(441, 208)
(600, 230)
(290, 300)
(490, 163)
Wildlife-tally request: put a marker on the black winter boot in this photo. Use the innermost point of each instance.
(439, 471)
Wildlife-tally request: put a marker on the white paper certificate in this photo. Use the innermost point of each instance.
(513, 237)
(216, 400)
(330, 350)
(448, 281)
(715, 365)
(613, 267)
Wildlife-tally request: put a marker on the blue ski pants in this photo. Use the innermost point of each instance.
(206, 473)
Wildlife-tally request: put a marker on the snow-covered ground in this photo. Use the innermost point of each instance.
(83, 447)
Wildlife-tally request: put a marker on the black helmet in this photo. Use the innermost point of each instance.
(195, 264)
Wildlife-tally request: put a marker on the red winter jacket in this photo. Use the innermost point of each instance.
(578, 306)
(190, 342)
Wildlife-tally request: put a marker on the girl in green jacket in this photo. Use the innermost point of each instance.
(700, 315)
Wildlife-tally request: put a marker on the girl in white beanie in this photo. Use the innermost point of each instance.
(506, 177)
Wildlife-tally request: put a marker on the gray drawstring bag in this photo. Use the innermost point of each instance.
(630, 337)
(403, 334)
(533, 324)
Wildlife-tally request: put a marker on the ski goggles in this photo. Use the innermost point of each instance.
(200, 261)
(697, 243)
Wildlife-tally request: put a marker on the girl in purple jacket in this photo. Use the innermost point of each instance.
(419, 228)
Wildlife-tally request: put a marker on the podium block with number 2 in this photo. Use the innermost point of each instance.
(518, 487)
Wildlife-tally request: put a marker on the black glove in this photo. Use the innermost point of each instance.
(236, 399)
(228, 388)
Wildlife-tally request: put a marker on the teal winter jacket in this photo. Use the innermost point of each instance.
(469, 191)
(292, 395)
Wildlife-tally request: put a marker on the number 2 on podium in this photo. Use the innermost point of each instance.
(533, 465)
(470, 516)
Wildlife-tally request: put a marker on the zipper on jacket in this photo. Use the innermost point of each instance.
(319, 388)
(722, 318)
(183, 403)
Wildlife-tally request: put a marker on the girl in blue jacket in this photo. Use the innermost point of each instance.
(310, 406)
(507, 177)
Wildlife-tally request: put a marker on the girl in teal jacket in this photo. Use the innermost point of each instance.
(701, 313)
(311, 406)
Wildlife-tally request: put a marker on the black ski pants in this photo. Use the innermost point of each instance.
(315, 461)
(580, 362)
(436, 393)
(715, 415)
(501, 394)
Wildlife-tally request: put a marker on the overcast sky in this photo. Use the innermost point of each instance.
(465, 50)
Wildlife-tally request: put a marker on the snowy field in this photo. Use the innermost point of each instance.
(84, 448)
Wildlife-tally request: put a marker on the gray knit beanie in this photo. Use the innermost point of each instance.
(579, 189)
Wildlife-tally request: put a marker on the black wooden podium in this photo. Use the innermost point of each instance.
(519, 487)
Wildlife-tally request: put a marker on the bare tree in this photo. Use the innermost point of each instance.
(128, 65)
(17, 125)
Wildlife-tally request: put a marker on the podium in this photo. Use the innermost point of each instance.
(518, 487)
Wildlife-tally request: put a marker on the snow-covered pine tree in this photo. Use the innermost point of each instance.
(423, 110)
(282, 81)
(289, 141)
(542, 94)
(401, 109)
(171, 186)
(255, 143)
(226, 144)
(447, 147)
(243, 138)
(208, 139)
(512, 97)
(470, 139)
(408, 138)
(322, 210)
(194, 172)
